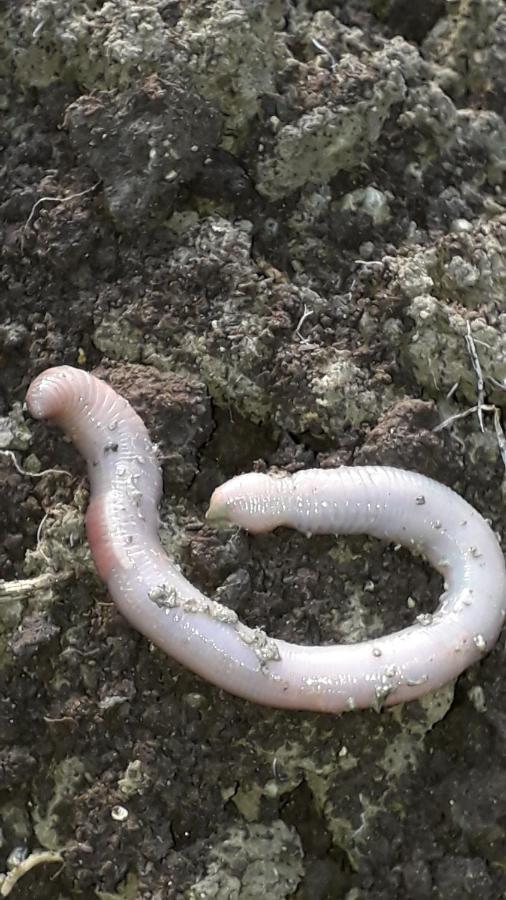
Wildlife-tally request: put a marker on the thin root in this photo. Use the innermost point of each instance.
(42, 200)
(8, 454)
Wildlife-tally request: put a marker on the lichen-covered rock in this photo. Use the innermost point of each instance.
(235, 50)
(14, 432)
(118, 339)
(472, 40)
(370, 201)
(145, 145)
(61, 542)
(441, 356)
(252, 863)
(250, 351)
(338, 135)
(108, 46)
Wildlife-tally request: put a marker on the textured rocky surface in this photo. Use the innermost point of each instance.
(280, 229)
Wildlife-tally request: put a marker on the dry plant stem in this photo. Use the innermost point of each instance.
(480, 385)
(35, 859)
(23, 589)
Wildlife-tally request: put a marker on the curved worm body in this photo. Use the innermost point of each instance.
(391, 504)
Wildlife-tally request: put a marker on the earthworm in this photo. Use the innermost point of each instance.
(394, 505)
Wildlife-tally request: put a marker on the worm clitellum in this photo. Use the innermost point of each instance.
(388, 503)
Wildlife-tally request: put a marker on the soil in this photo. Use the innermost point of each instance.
(279, 229)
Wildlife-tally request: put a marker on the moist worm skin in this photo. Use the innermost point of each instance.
(155, 597)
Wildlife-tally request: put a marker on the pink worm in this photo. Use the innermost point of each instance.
(152, 593)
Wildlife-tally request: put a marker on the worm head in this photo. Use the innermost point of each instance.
(247, 501)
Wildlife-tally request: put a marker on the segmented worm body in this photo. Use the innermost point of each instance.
(152, 593)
